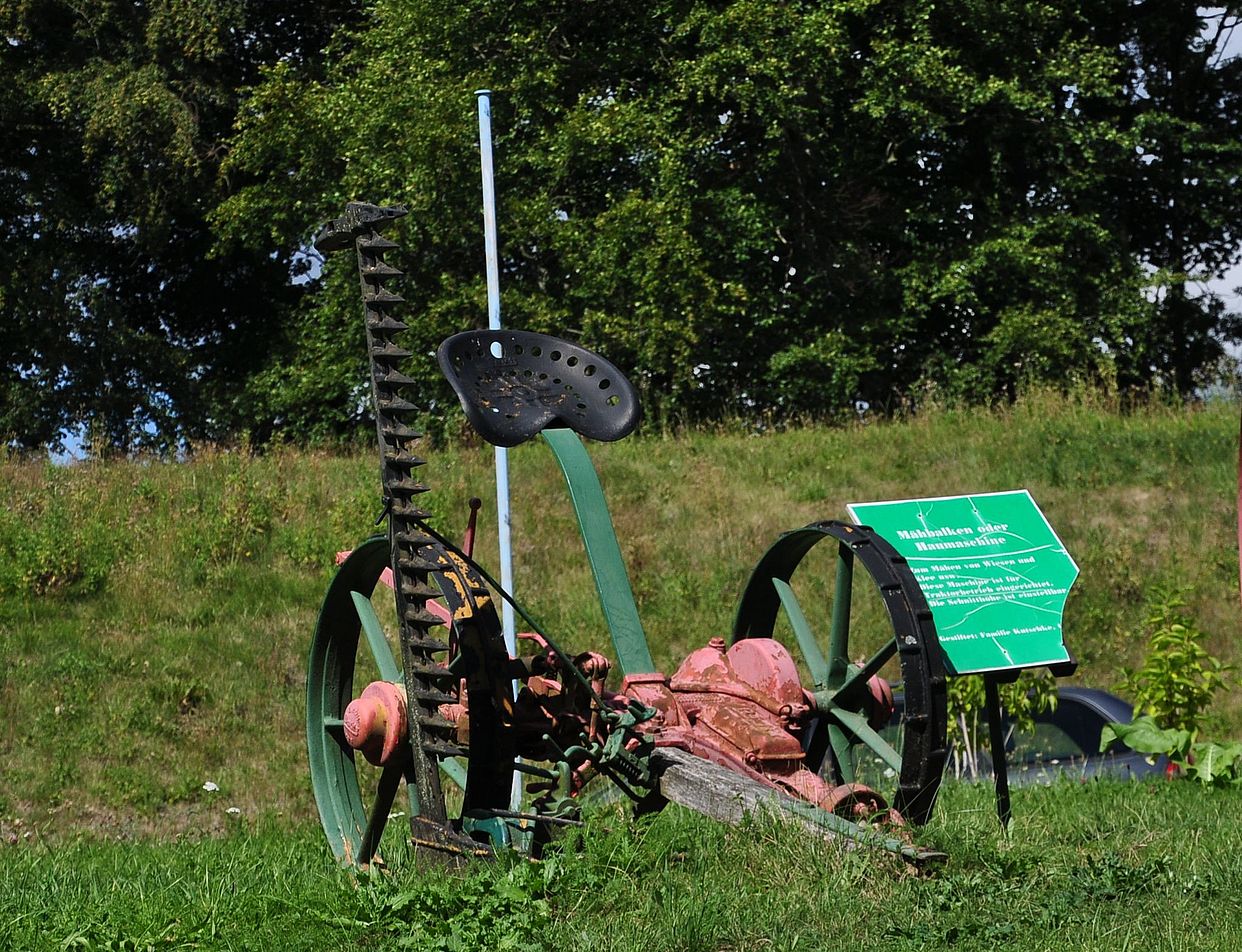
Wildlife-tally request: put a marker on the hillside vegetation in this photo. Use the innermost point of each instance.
(155, 617)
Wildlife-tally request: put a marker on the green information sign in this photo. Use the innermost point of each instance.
(995, 575)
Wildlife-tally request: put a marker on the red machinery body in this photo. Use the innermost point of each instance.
(744, 708)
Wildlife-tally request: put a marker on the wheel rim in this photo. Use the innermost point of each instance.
(354, 814)
(915, 757)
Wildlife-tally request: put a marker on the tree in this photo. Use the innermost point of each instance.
(749, 206)
(1183, 205)
(757, 206)
(116, 116)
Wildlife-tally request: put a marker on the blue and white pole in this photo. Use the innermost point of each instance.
(507, 621)
(493, 321)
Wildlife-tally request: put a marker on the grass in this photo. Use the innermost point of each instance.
(1096, 866)
(154, 620)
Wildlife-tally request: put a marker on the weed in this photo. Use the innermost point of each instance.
(1179, 677)
(52, 540)
(1208, 762)
(499, 908)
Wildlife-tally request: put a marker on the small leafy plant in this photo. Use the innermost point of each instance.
(1173, 691)
(1179, 677)
(53, 540)
(1208, 762)
(495, 907)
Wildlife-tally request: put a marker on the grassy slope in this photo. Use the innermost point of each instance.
(167, 646)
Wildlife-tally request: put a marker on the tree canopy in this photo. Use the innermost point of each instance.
(116, 119)
(750, 207)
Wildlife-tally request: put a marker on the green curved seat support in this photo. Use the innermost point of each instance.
(612, 581)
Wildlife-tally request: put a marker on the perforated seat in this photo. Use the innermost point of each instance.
(513, 384)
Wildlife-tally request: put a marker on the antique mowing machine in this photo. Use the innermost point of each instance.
(457, 717)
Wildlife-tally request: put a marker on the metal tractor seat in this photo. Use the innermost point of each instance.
(515, 384)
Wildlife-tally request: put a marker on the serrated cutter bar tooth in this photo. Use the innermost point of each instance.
(376, 243)
(382, 323)
(395, 405)
(379, 270)
(420, 595)
(435, 722)
(380, 296)
(390, 351)
(408, 548)
(423, 618)
(405, 510)
(438, 677)
(445, 750)
(414, 591)
(406, 461)
(428, 644)
(391, 378)
(406, 487)
(413, 539)
(398, 431)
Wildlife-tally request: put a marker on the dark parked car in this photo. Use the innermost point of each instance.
(1065, 742)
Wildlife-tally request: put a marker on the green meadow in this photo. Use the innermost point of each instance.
(155, 618)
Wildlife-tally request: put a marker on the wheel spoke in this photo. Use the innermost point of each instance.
(385, 793)
(839, 633)
(858, 725)
(840, 752)
(867, 671)
(387, 664)
(334, 727)
(814, 658)
(455, 770)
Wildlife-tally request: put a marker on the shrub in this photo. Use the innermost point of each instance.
(1179, 677)
(54, 540)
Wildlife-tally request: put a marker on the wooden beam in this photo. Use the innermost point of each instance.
(725, 795)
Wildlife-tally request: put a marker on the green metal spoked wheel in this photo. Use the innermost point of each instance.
(891, 640)
(354, 645)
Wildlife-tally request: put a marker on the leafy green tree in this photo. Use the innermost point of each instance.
(1182, 205)
(750, 206)
(764, 206)
(115, 117)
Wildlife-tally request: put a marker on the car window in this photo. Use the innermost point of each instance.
(1046, 742)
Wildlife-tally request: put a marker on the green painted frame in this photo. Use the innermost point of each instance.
(612, 581)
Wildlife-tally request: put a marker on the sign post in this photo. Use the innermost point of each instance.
(996, 577)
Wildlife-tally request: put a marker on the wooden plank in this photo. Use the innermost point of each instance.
(724, 795)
